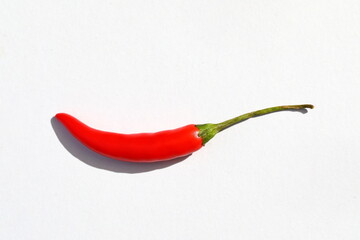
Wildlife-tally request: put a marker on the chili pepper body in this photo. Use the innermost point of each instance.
(159, 146)
(139, 147)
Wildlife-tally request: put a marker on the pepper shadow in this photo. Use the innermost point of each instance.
(89, 157)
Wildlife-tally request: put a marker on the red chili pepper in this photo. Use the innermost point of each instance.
(159, 146)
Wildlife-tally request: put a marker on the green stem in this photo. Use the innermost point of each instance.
(208, 131)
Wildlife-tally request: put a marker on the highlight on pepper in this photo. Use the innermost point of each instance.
(159, 146)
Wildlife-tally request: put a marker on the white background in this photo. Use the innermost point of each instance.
(143, 66)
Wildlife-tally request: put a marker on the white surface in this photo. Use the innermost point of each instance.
(135, 66)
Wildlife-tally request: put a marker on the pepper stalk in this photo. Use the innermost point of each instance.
(209, 130)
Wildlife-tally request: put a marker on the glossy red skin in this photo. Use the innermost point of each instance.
(139, 147)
